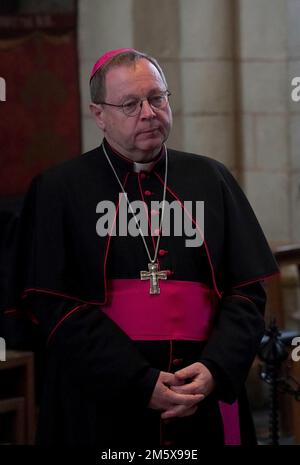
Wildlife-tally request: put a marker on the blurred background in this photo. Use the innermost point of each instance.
(229, 65)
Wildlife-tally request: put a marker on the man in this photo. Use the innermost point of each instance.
(149, 340)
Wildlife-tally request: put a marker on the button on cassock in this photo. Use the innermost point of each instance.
(162, 252)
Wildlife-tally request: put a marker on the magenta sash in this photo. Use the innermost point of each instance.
(183, 310)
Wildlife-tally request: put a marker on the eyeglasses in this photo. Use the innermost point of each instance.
(133, 106)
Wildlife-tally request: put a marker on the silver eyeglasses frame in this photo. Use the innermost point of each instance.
(136, 104)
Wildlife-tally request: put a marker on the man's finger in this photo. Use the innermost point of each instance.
(170, 379)
(179, 411)
(183, 399)
(188, 372)
(190, 388)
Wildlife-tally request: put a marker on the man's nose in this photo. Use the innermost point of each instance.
(146, 109)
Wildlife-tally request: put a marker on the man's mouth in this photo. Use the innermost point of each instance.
(149, 131)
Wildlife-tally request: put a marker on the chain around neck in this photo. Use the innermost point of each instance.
(152, 260)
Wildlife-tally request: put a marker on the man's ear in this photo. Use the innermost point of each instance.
(97, 113)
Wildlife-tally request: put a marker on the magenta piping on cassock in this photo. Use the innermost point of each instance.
(176, 197)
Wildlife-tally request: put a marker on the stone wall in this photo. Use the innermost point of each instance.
(229, 64)
(264, 112)
(102, 25)
(293, 24)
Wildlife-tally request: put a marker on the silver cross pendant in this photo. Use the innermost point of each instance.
(154, 275)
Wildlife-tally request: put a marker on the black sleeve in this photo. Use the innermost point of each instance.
(246, 261)
(97, 355)
(233, 344)
(93, 350)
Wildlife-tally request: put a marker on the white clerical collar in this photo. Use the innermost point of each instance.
(137, 167)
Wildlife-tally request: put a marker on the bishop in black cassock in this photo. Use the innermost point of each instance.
(107, 337)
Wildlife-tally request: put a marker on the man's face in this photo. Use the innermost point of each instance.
(138, 137)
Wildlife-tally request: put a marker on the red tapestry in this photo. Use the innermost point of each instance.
(40, 119)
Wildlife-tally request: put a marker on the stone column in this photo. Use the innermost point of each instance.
(192, 39)
(102, 25)
(207, 78)
(293, 25)
(156, 31)
(264, 95)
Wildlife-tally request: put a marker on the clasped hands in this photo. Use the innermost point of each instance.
(178, 394)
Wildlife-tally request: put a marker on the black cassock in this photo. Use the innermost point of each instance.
(98, 380)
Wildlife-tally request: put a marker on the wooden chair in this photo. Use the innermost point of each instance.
(17, 395)
(12, 427)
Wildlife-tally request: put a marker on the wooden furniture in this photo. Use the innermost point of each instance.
(17, 397)
(285, 256)
(12, 421)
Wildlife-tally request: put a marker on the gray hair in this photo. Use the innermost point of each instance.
(128, 58)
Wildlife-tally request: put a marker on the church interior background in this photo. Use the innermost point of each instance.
(229, 64)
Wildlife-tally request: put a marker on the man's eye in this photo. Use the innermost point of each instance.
(156, 100)
(130, 105)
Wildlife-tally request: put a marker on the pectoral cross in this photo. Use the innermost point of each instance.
(154, 275)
